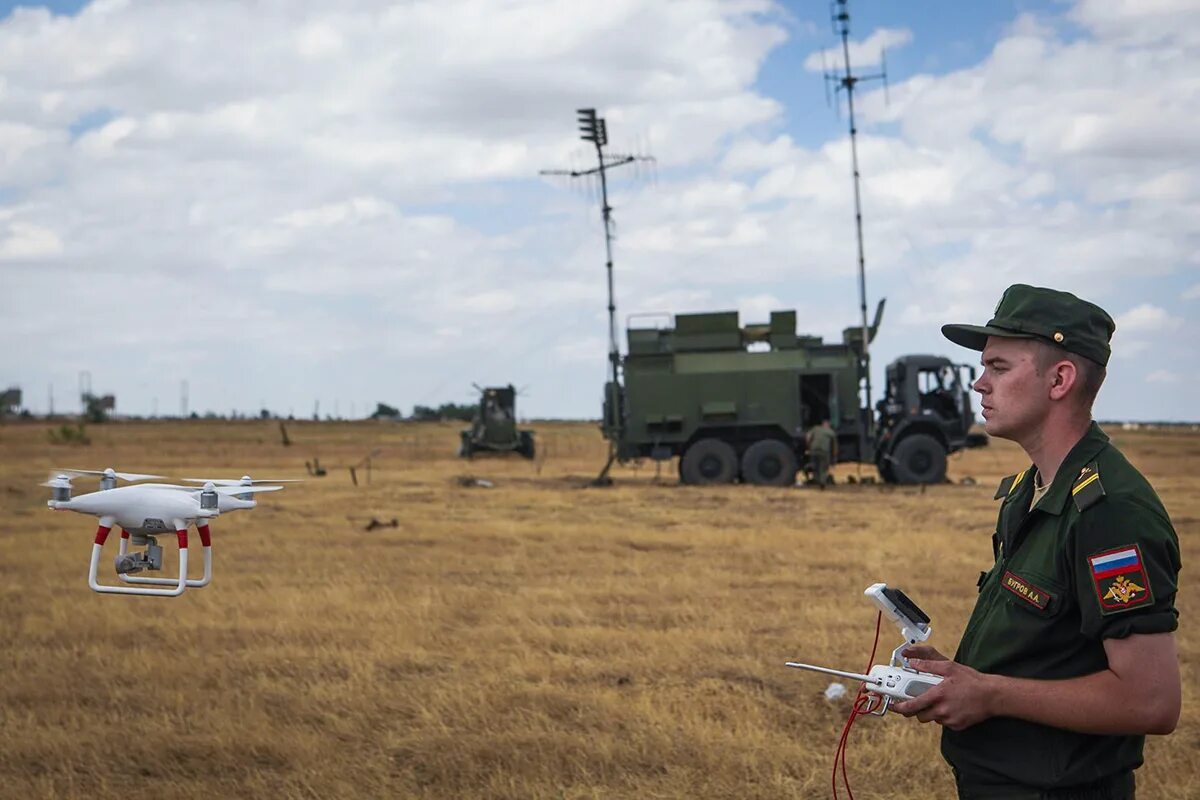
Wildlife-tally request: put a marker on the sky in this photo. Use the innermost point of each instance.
(300, 206)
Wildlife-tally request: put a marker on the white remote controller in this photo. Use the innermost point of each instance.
(896, 680)
(898, 683)
(901, 683)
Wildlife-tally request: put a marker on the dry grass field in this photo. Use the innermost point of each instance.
(535, 639)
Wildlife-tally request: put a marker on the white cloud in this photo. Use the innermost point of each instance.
(356, 184)
(579, 351)
(358, 209)
(1145, 318)
(1192, 292)
(318, 40)
(497, 301)
(1162, 376)
(757, 309)
(24, 241)
(867, 53)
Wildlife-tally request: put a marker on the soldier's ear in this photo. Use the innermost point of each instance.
(1063, 377)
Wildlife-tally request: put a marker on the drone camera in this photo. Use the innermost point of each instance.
(136, 562)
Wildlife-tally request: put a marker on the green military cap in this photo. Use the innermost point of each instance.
(1031, 312)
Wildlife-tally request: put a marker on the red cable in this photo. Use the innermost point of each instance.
(862, 705)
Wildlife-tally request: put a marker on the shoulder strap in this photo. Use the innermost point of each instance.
(1008, 485)
(1087, 490)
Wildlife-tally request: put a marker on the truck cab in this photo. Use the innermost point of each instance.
(925, 413)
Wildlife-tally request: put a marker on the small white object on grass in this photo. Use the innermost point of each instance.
(835, 691)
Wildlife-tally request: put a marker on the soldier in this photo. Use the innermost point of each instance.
(822, 446)
(1068, 660)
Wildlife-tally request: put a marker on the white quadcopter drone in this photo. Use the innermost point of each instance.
(146, 510)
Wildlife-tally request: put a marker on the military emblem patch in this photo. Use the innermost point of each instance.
(1120, 579)
(1025, 590)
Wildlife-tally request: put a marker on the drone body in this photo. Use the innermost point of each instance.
(146, 510)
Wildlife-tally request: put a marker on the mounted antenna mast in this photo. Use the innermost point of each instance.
(840, 17)
(595, 130)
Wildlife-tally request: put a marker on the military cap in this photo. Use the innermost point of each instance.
(1032, 312)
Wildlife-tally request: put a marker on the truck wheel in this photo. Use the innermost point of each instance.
(526, 448)
(769, 462)
(919, 458)
(709, 461)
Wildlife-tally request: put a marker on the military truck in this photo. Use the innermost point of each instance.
(494, 428)
(734, 402)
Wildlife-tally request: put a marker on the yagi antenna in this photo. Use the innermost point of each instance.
(594, 129)
(839, 17)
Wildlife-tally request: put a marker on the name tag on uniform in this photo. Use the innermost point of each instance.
(1025, 590)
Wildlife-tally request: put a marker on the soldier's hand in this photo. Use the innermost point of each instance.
(923, 651)
(961, 700)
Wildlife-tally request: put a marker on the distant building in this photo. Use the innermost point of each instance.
(10, 400)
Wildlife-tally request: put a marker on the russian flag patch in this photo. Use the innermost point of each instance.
(1120, 579)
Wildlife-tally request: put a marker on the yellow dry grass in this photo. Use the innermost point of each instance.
(536, 639)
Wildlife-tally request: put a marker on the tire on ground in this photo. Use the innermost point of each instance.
(769, 462)
(526, 448)
(709, 461)
(919, 458)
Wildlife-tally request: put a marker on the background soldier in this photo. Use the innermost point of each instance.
(822, 449)
(1068, 660)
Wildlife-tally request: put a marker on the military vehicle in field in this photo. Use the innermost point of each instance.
(734, 403)
(494, 428)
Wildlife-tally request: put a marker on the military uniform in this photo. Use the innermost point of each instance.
(1095, 557)
(821, 450)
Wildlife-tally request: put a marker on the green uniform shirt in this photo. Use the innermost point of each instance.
(1096, 558)
(823, 439)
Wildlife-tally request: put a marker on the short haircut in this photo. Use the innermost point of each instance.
(1090, 373)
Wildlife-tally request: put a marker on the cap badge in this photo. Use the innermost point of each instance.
(1058, 337)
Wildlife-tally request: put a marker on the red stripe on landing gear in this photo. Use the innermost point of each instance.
(102, 535)
(205, 538)
(124, 533)
(182, 538)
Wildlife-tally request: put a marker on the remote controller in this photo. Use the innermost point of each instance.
(894, 681)
(901, 683)
(898, 683)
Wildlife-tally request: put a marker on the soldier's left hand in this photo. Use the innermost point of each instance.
(959, 701)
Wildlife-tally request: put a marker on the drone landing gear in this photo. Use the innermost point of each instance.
(205, 541)
(98, 546)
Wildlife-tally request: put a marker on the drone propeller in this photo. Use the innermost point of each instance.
(59, 481)
(236, 491)
(109, 473)
(245, 480)
(231, 491)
